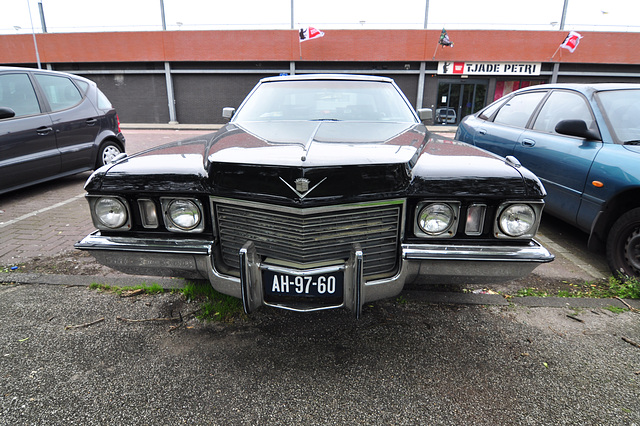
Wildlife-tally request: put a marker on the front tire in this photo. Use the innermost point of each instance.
(623, 244)
(107, 152)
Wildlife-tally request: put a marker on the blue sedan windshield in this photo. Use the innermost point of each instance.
(622, 108)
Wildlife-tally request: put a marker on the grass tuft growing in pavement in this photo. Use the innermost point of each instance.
(623, 287)
(215, 306)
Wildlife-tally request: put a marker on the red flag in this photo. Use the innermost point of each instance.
(309, 33)
(571, 41)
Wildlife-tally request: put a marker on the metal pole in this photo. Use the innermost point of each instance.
(35, 43)
(426, 13)
(164, 22)
(170, 94)
(44, 25)
(292, 22)
(564, 14)
(419, 99)
(556, 66)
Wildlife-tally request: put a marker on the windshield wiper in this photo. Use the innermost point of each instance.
(325, 119)
(636, 142)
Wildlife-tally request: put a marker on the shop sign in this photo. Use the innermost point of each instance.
(489, 68)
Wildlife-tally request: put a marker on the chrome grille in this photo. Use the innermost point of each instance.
(312, 235)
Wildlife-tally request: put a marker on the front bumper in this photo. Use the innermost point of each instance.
(419, 263)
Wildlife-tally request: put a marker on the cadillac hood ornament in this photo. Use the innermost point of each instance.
(302, 186)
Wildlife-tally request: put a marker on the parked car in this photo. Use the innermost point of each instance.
(322, 192)
(53, 124)
(446, 116)
(582, 140)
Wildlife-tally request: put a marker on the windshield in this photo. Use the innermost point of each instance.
(622, 109)
(326, 100)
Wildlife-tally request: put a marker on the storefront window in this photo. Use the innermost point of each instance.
(504, 87)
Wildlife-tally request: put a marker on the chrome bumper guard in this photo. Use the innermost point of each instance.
(252, 286)
(419, 263)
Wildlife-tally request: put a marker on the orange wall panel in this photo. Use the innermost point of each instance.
(336, 45)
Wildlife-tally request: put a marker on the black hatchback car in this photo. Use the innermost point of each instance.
(53, 124)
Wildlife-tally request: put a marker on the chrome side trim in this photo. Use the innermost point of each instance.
(533, 252)
(96, 241)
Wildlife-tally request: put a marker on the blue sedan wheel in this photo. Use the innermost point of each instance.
(623, 244)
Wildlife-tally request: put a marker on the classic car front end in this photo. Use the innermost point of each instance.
(322, 192)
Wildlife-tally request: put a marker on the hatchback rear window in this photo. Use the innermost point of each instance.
(60, 91)
(103, 101)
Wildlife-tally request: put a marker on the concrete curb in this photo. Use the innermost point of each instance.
(87, 280)
(435, 297)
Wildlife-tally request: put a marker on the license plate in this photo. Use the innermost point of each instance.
(318, 285)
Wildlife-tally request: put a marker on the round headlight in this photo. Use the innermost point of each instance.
(517, 220)
(111, 212)
(184, 214)
(436, 219)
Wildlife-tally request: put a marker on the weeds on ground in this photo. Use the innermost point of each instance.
(616, 309)
(623, 287)
(214, 306)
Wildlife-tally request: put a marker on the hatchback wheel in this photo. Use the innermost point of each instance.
(623, 244)
(107, 152)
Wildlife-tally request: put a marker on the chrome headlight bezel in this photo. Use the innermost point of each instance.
(450, 209)
(99, 219)
(533, 207)
(173, 221)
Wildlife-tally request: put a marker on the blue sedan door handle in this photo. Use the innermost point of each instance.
(528, 142)
(482, 131)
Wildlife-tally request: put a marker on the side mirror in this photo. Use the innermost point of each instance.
(577, 128)
(425, 114)
(227, 112)
(6, 112)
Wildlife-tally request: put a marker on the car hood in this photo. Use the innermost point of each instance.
(316, 143)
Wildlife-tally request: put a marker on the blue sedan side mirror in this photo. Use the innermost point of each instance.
(577, 128)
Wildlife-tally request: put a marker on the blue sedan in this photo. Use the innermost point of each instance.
(583, 142)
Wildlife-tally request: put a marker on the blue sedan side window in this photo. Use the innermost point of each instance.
(562, 105)
(517, 110)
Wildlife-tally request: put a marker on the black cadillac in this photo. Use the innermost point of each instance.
(323, 191)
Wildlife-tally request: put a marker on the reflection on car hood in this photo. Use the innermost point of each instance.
(317, 143)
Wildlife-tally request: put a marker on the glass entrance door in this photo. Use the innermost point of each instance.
(459, 99)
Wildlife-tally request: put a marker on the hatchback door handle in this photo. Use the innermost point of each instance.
(91, 121)
(44, 130)
(528, 142)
